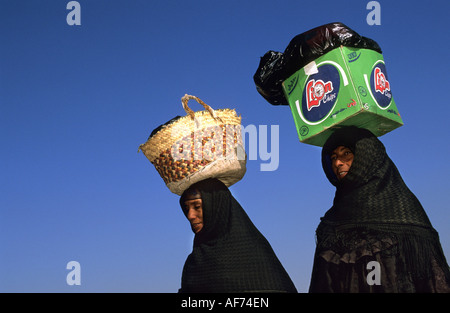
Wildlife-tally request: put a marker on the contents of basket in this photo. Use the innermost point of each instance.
(203, 144)
(330, 76)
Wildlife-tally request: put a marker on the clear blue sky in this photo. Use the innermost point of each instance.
(76, 102)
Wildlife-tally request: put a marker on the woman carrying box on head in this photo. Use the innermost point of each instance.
(374, 217)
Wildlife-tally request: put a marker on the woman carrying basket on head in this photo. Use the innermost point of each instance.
(229, 253)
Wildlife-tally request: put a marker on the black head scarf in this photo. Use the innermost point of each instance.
(372, 190)
(373, 198)
(229, 253)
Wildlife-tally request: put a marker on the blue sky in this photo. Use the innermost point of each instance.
(77, 101)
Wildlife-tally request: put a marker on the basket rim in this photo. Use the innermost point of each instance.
(199, 113)
(207, 122)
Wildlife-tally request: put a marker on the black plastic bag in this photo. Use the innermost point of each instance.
(276, 67)
(269, 77)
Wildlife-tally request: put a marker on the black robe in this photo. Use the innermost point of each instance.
(374, 217)
(229, 253)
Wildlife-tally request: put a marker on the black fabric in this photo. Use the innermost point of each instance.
(374, 217)
(157, 129)
(276, 67)
(229, 253)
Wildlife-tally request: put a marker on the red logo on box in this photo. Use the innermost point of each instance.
(381, 82)
(315, 91)
(320, 93)
(380, 85)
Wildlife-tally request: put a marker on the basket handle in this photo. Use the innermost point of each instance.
(184, 102)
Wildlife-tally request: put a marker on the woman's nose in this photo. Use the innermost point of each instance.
(338, 162)
(191, 214)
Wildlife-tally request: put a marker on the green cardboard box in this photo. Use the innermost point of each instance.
(346, 86)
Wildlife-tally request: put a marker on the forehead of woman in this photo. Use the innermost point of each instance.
(191, 194)
(340, 149)
(345, 137)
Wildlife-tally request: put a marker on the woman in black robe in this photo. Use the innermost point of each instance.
(229, 253)
(374, 217)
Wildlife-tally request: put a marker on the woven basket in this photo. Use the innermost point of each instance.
(200, 145)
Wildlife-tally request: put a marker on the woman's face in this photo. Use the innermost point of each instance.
(193, 210)
(341, 161)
